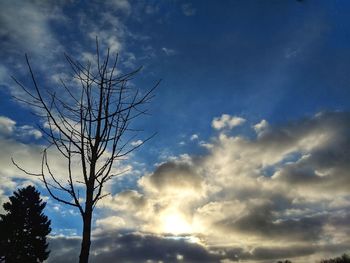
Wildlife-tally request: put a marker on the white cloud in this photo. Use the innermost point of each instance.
(27, 25)
(29, 157)
(27, 130)
(7, 126)
(107, 40)
(194, 137)
(227, 121)
(206, 144)
(261, 127)
(136, 143)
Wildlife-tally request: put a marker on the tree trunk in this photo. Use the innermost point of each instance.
(86, 242)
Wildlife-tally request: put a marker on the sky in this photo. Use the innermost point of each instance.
(251, 158)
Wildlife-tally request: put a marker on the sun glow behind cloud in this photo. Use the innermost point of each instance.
(175, 223)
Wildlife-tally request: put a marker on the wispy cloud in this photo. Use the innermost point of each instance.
(168, 51)
(188, 9)
(120, 5)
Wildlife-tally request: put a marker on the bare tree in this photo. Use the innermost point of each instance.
(91, 125)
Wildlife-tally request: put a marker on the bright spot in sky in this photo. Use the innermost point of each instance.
(175, 223)
(179, 257)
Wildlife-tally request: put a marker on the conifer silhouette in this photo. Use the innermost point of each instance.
(24, 228)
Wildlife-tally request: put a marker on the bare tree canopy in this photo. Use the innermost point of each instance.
(89, 124)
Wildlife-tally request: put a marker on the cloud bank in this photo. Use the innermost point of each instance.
(282, 193)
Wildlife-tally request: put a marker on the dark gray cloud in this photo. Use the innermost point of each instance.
(275, 253)
(137, 248)
(292, 132)
(64, 249)
(133, 247)
(175, 175)
(259, 221)
(326, 165)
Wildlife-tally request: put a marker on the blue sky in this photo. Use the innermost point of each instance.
(253, 105)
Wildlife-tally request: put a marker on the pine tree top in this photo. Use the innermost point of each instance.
(24, 227)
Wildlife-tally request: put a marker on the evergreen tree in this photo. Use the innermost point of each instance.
(24, 228)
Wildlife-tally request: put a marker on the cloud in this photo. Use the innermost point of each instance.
(194, 137)
(29, 21)
(113, 42)
(122, 5)
(261, 127)
(29, 157)
(7, 125)
(27, 27)
(27, 130)
(132, 247)
(39, 23)
(286, 189)
(8, 128)
(287, 186)
(136, 247)
(111, 222)
(259, 221)
(64, 249)
(168, 51)
(4, 75)
(188, 10)
(227, 121)
(16, 142)
(283, 194)
(172, 176)
(136, 143)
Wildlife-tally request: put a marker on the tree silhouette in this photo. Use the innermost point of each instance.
(88, 122)
(343, 259)
(24, 228)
